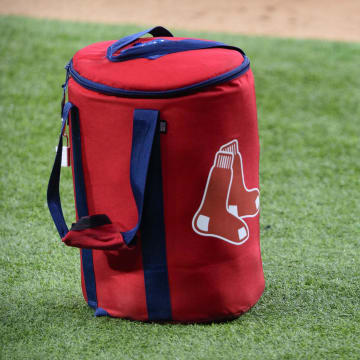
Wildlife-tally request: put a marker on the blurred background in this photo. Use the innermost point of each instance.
(324, 19)
(307, 90)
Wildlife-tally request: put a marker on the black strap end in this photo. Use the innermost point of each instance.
(87, 222)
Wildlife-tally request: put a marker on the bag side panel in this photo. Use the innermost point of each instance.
(210, 278)
(106, 136)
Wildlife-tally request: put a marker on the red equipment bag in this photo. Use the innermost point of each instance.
(165, 157)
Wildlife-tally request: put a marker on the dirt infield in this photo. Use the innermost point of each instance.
(325, 19)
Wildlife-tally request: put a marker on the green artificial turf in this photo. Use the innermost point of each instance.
(308, 95)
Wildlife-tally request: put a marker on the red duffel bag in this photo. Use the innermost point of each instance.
(165, 155)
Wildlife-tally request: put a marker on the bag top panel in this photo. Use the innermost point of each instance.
(159, 73)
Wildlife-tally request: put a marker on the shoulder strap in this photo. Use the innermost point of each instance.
(53, 193)
(145, 124)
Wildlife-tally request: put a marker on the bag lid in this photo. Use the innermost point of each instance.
(157, 64)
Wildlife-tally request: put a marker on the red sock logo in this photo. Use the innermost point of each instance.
(243, 202)
(226, 200)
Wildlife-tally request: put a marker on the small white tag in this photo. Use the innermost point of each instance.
(65, 156)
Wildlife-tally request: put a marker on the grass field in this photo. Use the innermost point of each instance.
(308, 95)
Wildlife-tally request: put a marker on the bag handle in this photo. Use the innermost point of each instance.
(145, 126)
(116, 46)
(159, 47)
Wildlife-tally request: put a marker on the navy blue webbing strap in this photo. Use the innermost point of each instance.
(153, 243)
(144, 127)
(146, 183)
(159, 47)
(54, 202)
(155, 31)
(82, 207)
(53, 192)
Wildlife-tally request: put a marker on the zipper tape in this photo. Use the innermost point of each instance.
(189, 89)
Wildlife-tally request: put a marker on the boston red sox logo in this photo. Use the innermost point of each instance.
(226, 201)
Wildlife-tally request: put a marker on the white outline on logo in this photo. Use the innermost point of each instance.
(242, 176)
(229, 166)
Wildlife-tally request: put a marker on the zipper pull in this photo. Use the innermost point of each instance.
(64, 86)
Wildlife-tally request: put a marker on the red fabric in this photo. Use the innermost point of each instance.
(210, 278)
(105, 125)
(166, 72)
(105, 237)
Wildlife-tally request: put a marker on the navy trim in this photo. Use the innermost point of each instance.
(82, 208)
(186, 90)
(64, 87)
(153, 243)
(101, 312)
(155, 31)
(89, 276)
(80, 193)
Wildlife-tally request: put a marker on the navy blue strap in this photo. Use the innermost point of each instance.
(146, 183)
(53, 192)
(54, 202)
(145, 123)
(144, 128)
(159, 47)
(155, 31)
(153, 242)
(80, 192)
(82, 207)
